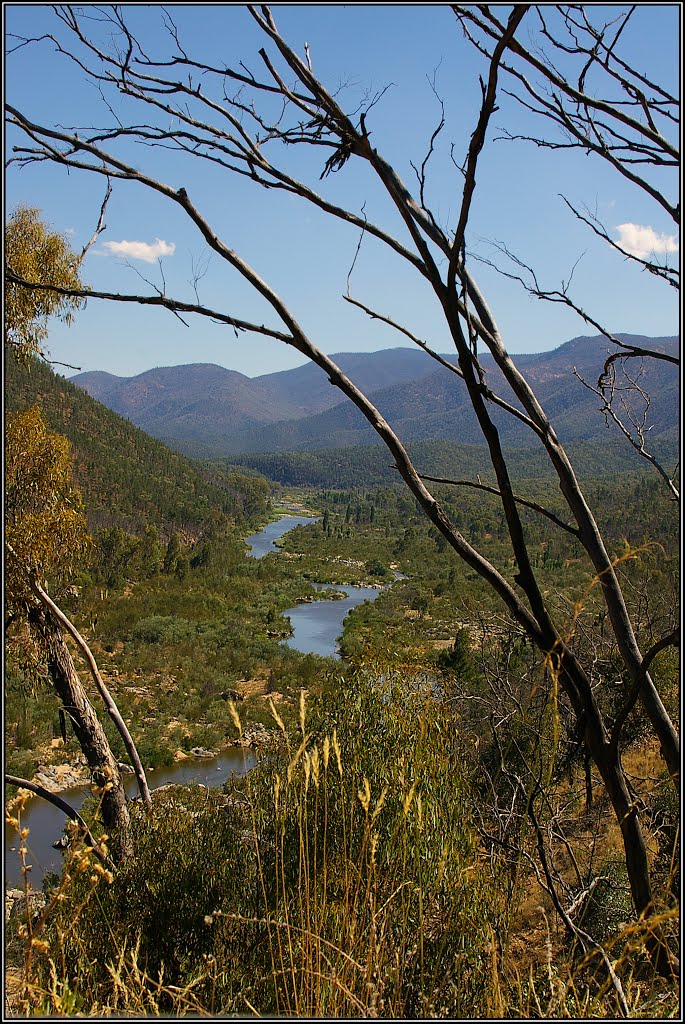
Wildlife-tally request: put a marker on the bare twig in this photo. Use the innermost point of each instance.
(62, 805)
(533, 505)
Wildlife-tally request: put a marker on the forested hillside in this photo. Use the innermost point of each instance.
(370, 465)
(127, 478)
(435, 404)
(203, 400)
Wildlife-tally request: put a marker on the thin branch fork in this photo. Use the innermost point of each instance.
(123, 171)
(577, 95)
(534, 288)
(580, 119)
(669, 274)
(174, 305)
(607, 383)
(630, 351)
(100, 226)
(671, 639)
(520, 501)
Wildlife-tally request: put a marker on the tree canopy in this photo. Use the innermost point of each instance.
(35, 253)
(45, 527)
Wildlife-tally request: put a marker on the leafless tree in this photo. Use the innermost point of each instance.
(248, 123)
(599, 104)
(604, 107)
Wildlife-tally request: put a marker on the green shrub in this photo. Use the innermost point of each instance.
(162, 629)
(155, 750)
(190, 861)
(340, 878)
(609, 906)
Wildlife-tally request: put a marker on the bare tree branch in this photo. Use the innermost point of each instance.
(165, 301)
(533, 505)
(62, 805)
(100, 226)
(109, 703)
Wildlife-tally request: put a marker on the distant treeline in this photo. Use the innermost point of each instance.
(372, 466)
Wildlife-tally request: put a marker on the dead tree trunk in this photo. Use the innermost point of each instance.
(89, 732)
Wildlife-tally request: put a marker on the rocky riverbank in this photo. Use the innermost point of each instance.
(15, 903)
(58, 777)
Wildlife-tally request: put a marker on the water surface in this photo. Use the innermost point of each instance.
(262, 542)
(47, 822)
(317, 626)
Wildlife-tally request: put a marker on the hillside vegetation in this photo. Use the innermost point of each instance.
(371, 466)
(128, 479)
(377, 848)
(209, 411)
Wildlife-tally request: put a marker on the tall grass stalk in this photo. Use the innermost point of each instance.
(341, 878)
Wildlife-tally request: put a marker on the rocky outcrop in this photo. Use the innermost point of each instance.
(255, 736)
(203, 753)
(15, 904)
(58, 777)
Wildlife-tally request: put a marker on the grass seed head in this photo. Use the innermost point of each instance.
(336, 751)
(235, 717)
(302, 710)
(277, 718)
(406, 803)
(315, 762)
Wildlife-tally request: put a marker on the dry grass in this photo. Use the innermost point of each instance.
(374, 898)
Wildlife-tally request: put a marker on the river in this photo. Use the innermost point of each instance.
(46, 822)
(263, 542)
(316, 625)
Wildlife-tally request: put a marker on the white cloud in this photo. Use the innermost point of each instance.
(643, 241)
(146, 251)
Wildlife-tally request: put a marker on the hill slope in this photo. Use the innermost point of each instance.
(209, 411)
(127, 478)
(371, 465)
(437, 407)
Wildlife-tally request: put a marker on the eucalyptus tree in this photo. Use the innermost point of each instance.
(46, 539)
(261, 122)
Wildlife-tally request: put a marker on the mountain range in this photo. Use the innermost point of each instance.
(206, 410)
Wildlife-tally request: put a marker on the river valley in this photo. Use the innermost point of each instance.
(316, 627)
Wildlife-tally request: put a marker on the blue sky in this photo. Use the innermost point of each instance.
(298, 251)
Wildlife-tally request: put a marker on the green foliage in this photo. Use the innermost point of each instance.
(609, 905)
(368, 466)
(159, 629)
(35, 253)
(458, 659)
(45, 529)
(129, 480)
(189, 862)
